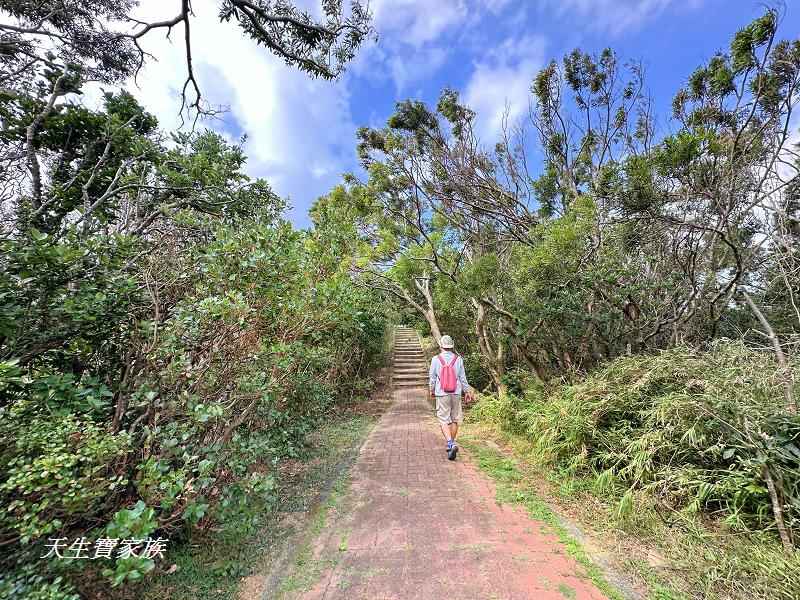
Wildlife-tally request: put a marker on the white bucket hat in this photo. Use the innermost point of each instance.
(446, 342)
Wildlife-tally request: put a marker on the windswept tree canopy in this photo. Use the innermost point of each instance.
(66, 164)
(102, 40)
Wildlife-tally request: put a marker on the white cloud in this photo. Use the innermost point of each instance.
(500, 85)
(615, 16)
(416, 36)
(300, 131)
(410, 48)
(496, 6)
(418, 21)
(407, 69)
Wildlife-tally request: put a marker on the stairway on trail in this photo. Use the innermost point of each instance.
(409, 367)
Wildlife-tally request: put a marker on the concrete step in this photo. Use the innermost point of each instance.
(410, 377)
(409, 384)
(416, 371)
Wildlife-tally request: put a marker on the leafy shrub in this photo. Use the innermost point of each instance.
(151, 421)
(59, 470)
(699, 429)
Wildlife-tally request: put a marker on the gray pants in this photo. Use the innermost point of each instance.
(448, 409)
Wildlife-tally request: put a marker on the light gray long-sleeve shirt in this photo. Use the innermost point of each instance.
(461, 376)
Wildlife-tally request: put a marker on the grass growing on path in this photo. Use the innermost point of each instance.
(211, 566)
(514, 488)
(306, 569)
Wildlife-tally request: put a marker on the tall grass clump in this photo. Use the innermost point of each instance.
(704, 431)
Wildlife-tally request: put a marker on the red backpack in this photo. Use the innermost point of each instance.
(447, 375)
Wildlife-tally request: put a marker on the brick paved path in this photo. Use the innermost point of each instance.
(419, 526)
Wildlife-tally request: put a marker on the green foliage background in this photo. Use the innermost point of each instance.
(151, 382)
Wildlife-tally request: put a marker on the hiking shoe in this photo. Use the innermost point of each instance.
(451, 453)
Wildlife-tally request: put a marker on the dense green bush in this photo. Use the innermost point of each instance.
(701, 430)
(246, 343)
(151, 380)
(59, 469)
(165, 338)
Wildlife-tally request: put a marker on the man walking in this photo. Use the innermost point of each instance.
(447, 382)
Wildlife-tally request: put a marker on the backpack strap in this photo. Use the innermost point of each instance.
(441, 360)
(455, 359)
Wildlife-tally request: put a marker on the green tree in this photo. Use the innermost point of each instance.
(100, 40)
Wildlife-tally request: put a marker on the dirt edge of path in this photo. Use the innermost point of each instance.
(296, 530)
(272, 581)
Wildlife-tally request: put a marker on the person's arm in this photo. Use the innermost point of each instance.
(432, 374)
(462, 376)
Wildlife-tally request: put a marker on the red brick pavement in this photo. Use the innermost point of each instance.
(418, 526)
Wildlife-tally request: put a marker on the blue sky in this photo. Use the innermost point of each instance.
(301, 132)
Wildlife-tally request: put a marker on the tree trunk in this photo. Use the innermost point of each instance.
(777, 510)
(427, 310)
(423, 284)
(783, 364)
(537, 368)
(495, 357)
(430, 317)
